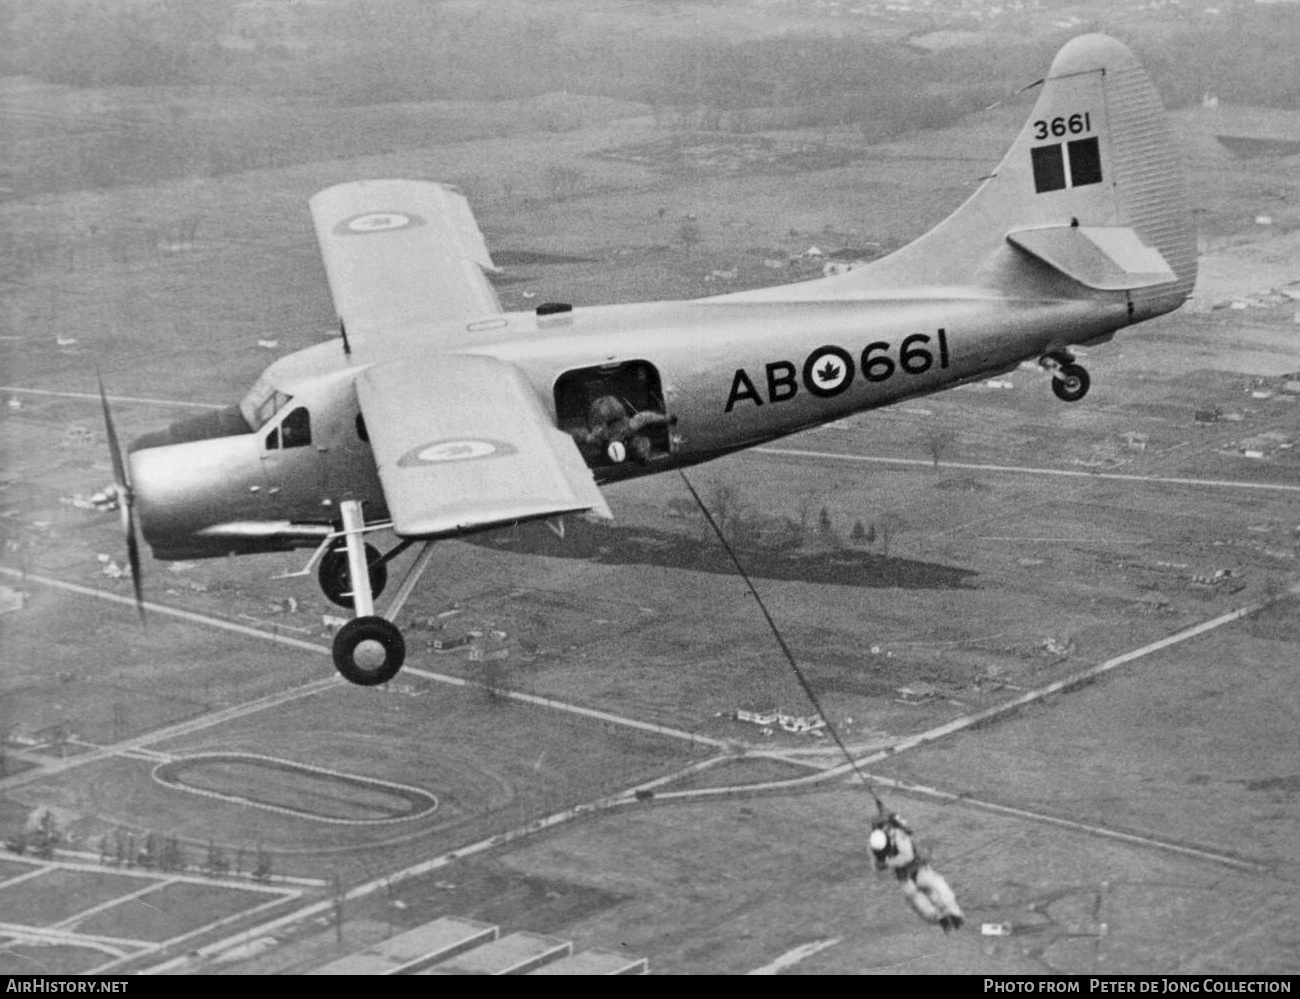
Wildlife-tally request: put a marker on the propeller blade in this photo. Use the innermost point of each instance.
(115, 450)
(125, 501)
(133, 560)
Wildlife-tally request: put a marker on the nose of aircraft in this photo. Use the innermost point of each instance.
(227, 422)
(180, 489)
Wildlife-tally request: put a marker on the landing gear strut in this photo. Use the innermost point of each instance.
(369, 649)
(335, 577)
(1070, 381)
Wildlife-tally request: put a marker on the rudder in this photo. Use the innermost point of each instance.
(1097, 156)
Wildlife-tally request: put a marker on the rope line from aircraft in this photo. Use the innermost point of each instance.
(785, 649)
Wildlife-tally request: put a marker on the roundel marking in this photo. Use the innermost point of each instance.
(828, 371)
(377, 222)
(454, 449)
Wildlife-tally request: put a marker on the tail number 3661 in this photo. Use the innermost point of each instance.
(1075, 124)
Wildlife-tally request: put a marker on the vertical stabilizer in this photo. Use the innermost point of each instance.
(1096, 153)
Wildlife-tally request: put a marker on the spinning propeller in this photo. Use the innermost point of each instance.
(125, 500)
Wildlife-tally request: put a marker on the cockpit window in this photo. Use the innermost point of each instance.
(262, 402)
(295, 431)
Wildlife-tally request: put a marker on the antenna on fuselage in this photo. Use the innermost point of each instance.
(343, 331)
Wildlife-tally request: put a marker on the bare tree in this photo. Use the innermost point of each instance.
(890, 524)
(724, 504)
(939, 440)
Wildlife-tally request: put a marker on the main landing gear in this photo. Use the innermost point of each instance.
(335, 576)
(1070, 381)
(369, 649)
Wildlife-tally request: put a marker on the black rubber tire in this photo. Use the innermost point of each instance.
(1071, 382)
(369, 629)
(335, 576)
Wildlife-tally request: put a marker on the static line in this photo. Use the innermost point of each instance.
(1021, 470)
(112, 398)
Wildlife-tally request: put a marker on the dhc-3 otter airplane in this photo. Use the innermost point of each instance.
(436, 415)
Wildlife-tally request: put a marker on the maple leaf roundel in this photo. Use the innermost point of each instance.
(828, 371)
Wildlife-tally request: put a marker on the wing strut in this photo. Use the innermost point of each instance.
(413, 575)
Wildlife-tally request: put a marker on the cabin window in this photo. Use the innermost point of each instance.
(295, 431)
(621, 403)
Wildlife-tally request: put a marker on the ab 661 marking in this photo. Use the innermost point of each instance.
(829, 370)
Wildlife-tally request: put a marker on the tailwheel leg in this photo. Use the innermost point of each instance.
(368, 650)
(1070, 382)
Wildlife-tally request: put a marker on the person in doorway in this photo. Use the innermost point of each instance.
(618, 435)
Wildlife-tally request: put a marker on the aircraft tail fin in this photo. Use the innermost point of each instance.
(1092, 188)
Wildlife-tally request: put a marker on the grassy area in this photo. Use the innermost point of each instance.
(171, 911)
(59, 894)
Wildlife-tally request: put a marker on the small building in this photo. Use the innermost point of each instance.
(800, 724)
(760, 712)
(917, 693)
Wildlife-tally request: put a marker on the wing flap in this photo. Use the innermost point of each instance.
(401, 252)
(462, 444)
(1107, 258)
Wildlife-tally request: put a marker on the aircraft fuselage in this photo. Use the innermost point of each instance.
(733, 375)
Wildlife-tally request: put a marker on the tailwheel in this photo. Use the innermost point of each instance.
(1070, 382)
(335, 577)
(369, 651)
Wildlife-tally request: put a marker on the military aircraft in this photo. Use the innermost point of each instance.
(436, 415)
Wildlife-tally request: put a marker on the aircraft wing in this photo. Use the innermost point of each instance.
(462, 444)
(398, 253)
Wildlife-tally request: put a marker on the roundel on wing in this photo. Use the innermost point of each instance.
(369, 222)
(454, 449)
(828, 371)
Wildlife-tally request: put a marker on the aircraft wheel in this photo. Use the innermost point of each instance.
(369, 651)
(1071, 382)
(335, 577)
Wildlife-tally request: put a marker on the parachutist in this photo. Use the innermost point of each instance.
(891, 843)
(924, 888)
(930, 895)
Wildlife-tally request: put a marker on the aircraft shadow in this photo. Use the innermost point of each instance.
(633, 545)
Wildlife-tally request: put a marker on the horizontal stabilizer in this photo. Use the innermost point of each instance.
(1107, 258)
